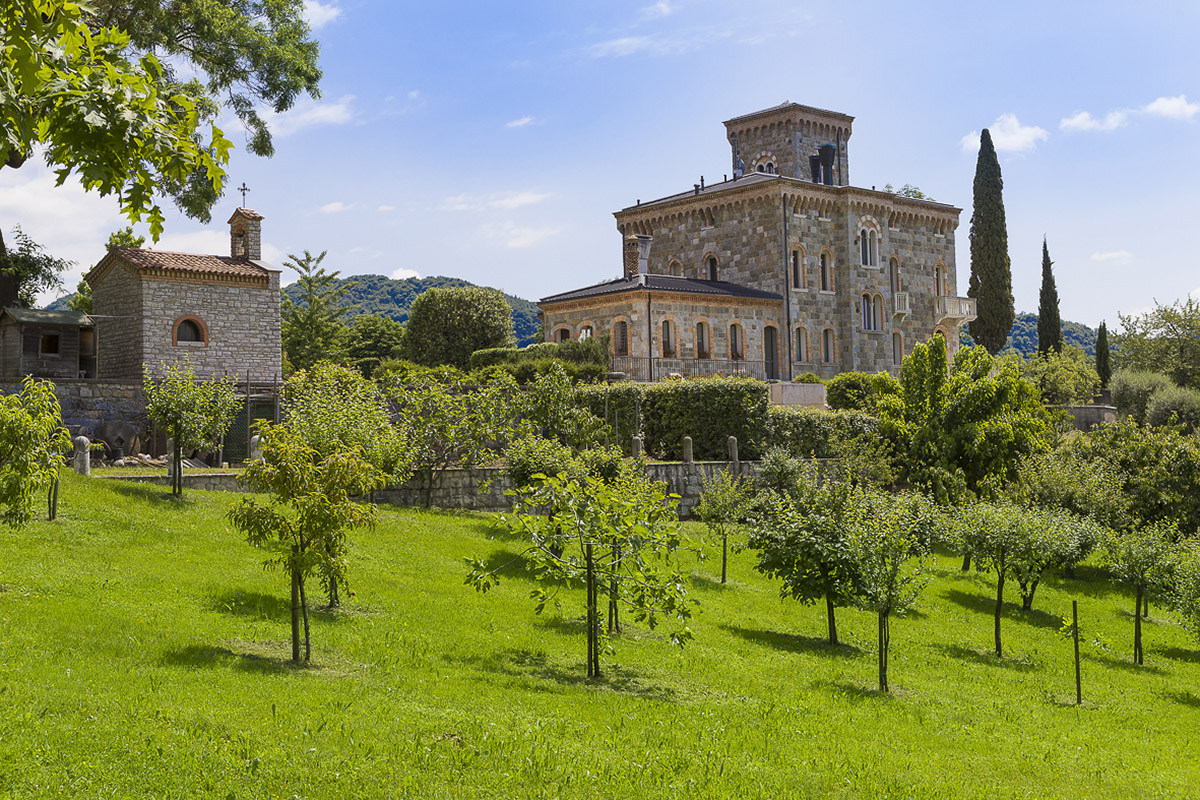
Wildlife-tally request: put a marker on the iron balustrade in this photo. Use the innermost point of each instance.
(649, 368)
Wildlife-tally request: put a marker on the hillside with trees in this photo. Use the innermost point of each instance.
(1023, 337)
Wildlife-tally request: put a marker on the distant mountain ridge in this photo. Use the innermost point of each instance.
(1023, 337)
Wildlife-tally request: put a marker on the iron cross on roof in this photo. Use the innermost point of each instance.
(243, 189)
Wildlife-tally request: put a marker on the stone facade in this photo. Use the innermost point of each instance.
(87, 404)
(220, 312)
(856, 277)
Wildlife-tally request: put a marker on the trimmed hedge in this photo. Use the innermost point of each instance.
(811, 432)
(587, 351)
(849, 391)
(1175, 405)
(1131, 392)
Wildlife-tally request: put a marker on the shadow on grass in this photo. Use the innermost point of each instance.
(1090, 581)
(275, 608)
(196, 656)
(709, 583)
(1116, 662)
(1184, 698)
(984, 657)
(1178, 654)
(987, 605)
(151, 492)
(854, 691)
(521, 662)
(792, 643)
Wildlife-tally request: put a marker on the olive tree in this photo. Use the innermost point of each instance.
(888, 544)
(32, 441)
(310, 511)
(620, 537)
(193, 412)
(724, 502)
(1139, 559)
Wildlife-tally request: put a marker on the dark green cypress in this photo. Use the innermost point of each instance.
(991, 273)
(1103, 368)
(1050, 336)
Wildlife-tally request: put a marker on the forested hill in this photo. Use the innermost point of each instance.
(390, 297)
(1023, 336)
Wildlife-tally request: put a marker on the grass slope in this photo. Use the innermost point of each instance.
(143, 653)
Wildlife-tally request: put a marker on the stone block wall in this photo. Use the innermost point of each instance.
(85, 404)
(117, 310)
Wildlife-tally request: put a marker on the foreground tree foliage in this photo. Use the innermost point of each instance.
(32, 441)
(370, 340)
(991, 272)
(724, 502)
(1062, 377)
(310, 511)
(961, 430)
(1165, 340)
(26, 270)
(621, 538)
(888, 544)
(195, 413)
(445, 326)
(1140, 559)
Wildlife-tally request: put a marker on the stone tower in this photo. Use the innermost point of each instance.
(783, 139)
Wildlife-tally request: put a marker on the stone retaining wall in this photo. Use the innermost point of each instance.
(204, 481)
(87, 403)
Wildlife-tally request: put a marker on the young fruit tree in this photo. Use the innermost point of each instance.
(1185, 587)
(332, 408)
(1049, 538)
(888, 544)
(309, 513)
(1139, 559)
(32, 441)
(193, 412)
(724, 503)
(619, 537)
(995, 534)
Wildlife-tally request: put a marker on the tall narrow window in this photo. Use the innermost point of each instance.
(668, 345)
(701, 340)
(585, 332)
(868, 241)
(877, 317)
(827, 346)
(939, 281)
(621, 339)
(826, 283)
(862, 248)
(735, 341)
(797, 280)
(801, 344)
(897, 349)
(563, 334)
(894, 274)
(712, 268)
(868, 311)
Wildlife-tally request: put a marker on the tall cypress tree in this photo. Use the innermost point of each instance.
(991, 273)
(1050, 335)
(1103, 368)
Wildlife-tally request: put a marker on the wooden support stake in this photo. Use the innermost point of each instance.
(1075, 636)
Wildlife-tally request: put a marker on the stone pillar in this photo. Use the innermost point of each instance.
(734, 463)
(687, 449)
(83, 455)
(637, 447)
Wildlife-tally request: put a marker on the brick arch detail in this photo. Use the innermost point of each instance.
(189, 318)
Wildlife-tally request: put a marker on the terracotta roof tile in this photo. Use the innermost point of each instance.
(190, 262)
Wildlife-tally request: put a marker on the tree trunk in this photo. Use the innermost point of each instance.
(614, 610)
(724, 554)
(295, 609)
(999, 607)
(332, 589)
(593, 614)
(966, 567)
(177, 455)
(1028, 589)
(1146, 606)
(885, 641)
(307, 636)
(1137, 626)
(833, 640)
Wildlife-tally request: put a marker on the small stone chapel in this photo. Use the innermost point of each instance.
(154, 307)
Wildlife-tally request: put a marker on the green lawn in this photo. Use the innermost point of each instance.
(143, 654)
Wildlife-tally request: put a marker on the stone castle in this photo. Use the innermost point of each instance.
(781, 269)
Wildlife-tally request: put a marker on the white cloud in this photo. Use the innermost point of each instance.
(519, 123)
(335, 207)
(1008, 136)
(1114, 256)
(662, 8)
(1083, 121)
(319, 14)
(308, 114)
(386, 208)
(623, 46)
(209, 242)
(415, 94)
(512, 235)
(503, 200)
(403, 273)
(1172, 108)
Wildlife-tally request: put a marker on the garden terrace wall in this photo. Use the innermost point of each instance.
(204, 481)
(460, 488)
(87, 403)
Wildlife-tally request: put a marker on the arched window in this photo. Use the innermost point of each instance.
(897, 349)
(801, 344)
(797, 271)
(878, 316)
(668, 341)
(585, 332)
(191, 330)
(736, 351)
(868, 247)
(712, 268)
(770, 168)
(894, 274)
(675, 268)
(621, 338)
(564, 334)
(826, 274)
(828, 348)
(868, 313)
(760, 168)
(939, 280)
(701, 340)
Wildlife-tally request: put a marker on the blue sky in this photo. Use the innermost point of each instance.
(493, 141)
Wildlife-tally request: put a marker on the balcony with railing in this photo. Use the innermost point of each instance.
(955, 310)
(646, 369)
(902, 304)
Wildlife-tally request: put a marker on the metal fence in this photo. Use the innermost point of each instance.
(643, 368)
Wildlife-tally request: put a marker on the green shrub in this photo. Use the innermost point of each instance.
(850, 391)
(619, 405)
(528, 371)
(605, 463)
(531, 455)
(807, 377)
(492, 356)
(1131, 392)
(538, 350)
(811, 432)
(593, 350)
(780, 472)
(394, 373)
(1175, 405)
(709, 410)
